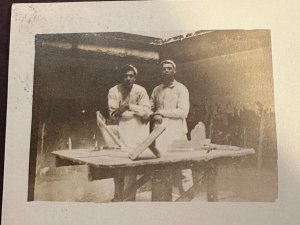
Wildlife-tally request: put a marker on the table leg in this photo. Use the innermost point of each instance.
(212, 188)
(119, 181)
(129, 182)
(162, 185)
(129, 192)
(119, 188)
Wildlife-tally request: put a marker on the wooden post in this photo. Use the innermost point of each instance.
(40, 145)
(211, 124)
(70, 143)
(260, 141)
(43, 137)
(244, 137)
(212, 188)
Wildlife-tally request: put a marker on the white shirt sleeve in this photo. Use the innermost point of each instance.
(141, 109)
(113, 102)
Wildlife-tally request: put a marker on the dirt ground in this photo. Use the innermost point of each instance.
(235, 184)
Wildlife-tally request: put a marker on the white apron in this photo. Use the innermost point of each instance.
(174, 131)
(133, 131)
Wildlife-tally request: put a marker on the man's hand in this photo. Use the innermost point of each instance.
(157, 118)
(118, 113)
(145, 116)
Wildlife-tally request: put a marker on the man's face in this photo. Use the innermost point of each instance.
(168, 72)
(128, 78)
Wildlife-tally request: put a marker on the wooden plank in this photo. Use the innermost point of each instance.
(65, 162)
(119, 159)
(99, 174)
(155, 151)
(101, 124)
(191, 192)
(104, 173)
(146, 143)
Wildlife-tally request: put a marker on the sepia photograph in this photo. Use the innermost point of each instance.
(127, 117)
(152, 112)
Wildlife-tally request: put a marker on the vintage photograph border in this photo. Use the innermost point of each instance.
(31, 19)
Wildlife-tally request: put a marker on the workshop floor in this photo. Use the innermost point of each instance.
(235, 185)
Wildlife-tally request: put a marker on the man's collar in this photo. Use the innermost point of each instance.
(170, 85)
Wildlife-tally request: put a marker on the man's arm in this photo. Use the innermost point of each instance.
(157, 118)
(115, 109)
(152, 101)
(142, 109)
(182, 108)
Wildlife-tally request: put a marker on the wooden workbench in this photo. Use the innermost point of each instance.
(116, 164)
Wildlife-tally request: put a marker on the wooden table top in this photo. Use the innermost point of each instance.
(119, 158)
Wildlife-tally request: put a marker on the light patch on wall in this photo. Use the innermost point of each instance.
(120, 51)
(64, 45)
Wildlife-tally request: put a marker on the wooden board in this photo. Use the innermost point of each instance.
(119, 159)
(146, 143)
(101, 124)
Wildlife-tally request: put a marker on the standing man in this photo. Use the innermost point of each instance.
(129, 104)
(170, 104)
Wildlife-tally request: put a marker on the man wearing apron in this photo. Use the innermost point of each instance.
(170, 106)
(129, 104)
